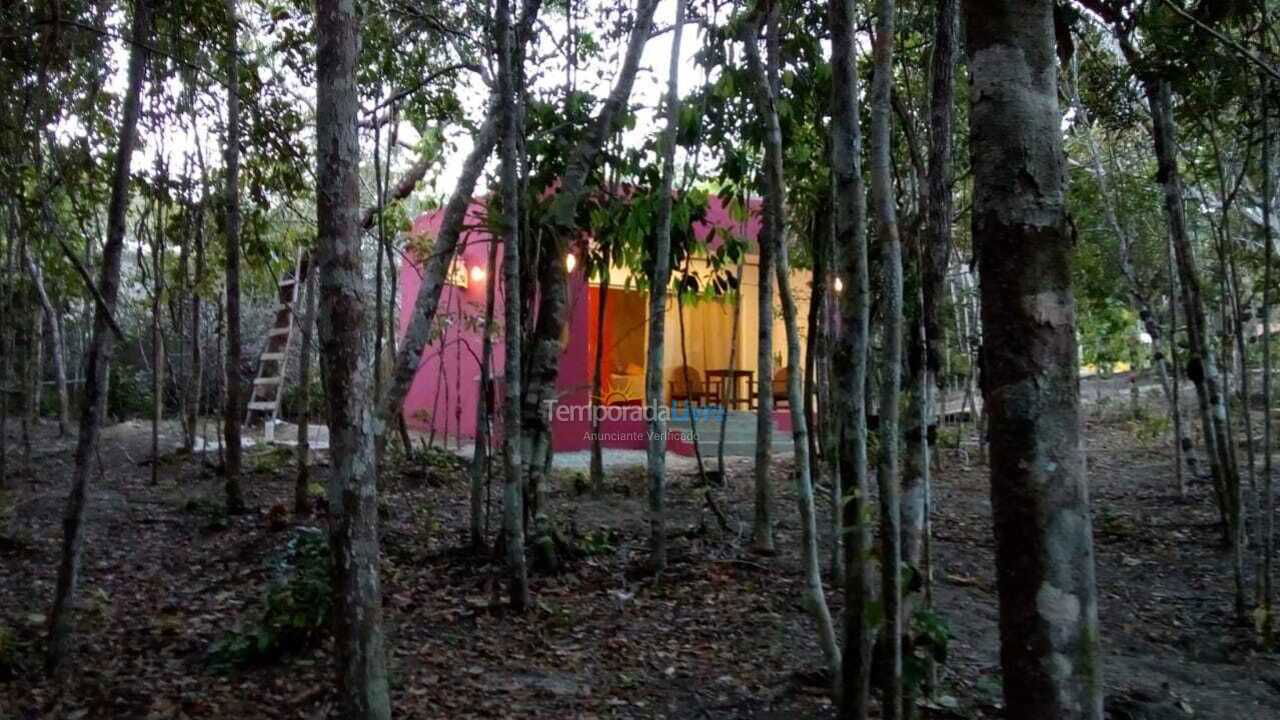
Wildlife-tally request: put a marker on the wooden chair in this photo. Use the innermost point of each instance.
(686, 384)
(780, 390)
(778, 387)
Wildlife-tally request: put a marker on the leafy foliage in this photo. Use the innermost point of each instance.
(295, 610)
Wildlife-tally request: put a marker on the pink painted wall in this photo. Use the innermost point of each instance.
(445, 390)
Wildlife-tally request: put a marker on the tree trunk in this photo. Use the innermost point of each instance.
(543, 362)
(358, 646)
(195, 380)
(762, 79)
(101, 349)
(814, 598)
(157, 345)
(1268, 505)
(1182, 443)
(422, 314)
(302, 485)
(1030, 379)
(513, 488)
(888, 469)
(849, 361)
(54, 321)
(597, 383)
(654, 401)
(231, 411)
(1202, 361)
(481, 464)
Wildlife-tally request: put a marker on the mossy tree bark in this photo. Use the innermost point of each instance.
(1030, 381)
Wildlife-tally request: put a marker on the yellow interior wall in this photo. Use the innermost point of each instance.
(709, 323)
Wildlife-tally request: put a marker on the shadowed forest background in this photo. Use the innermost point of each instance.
(996, 278)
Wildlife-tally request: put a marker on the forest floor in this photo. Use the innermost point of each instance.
(166, 576)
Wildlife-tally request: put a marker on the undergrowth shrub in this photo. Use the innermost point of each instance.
(295, 609)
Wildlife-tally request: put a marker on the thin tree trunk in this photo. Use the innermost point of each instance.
(762, 80)
(481, 464)
(543, 356)
(1268, 504)
(438, 262)
(888, 468)
(657, 419)
(849, 361)
(597, 385)
(157, 345)
(1182, 443)
(231, 411)
(1139, 299)
(1049, 644)
(54, 321)
(6, 344)
(302, 485)
(814, 598)
(936, 256)
(101, 349)
(513, 489)
(359, 644)
(1202, 363)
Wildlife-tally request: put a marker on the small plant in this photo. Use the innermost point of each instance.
(931, 636)
(295, 613)
(597, 542)
(433, 465)
(1148, 428)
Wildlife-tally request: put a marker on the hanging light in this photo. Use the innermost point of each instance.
(839, 286)
(570, 262)
(477, 274)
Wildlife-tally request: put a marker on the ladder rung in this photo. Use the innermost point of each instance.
(267, 381)
(272, 357)
(288, 282)
(277, 331)
(262, 405)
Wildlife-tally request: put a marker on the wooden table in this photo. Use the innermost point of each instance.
(729, 386)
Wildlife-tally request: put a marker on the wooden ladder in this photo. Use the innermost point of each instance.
(268, 386)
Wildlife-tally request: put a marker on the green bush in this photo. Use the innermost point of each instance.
(295, 612)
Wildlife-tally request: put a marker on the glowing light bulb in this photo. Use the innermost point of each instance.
(839, 285)
(477, 274)
(570, 262)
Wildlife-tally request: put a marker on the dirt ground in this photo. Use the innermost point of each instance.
(723, 636)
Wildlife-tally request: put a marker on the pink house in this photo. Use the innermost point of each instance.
(719, 335)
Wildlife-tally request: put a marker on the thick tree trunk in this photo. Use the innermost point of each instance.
(101, 349)
(1039, 493)
(849, 360)
(513, 488)
(359, 644)
(302, 484)
(654, 401)
(231, 411)
(888, 467)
